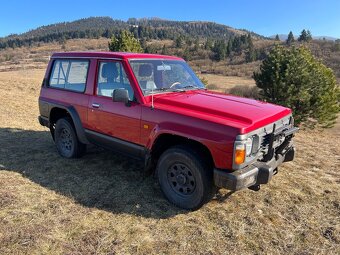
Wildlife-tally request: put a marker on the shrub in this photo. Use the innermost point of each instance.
(293, 77)
(212, 87)
(244, 91)
(9, 57)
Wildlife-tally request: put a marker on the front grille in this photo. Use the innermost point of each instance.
(265, 140)
(262, 139)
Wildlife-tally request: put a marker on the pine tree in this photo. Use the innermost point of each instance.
(293, 77)
(309, 36)
(237, 44)
(208, 44)
(336, 46)
(196, 45)
(229, 46)
(179, 42)
(251, 52)
(290, 38)
(249, 40)
(188, 41)
(302, 36)
(142, 42)
(277, 37)
(220, 50)
(186, 54)
(305, 36)
(251, 55)
(125, 41)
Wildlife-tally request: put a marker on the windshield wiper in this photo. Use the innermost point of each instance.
(189, 86)
(185, 88)
(151, 91)
(166, 89)
(192, 87)
(182, 89)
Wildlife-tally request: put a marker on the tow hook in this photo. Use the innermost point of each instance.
(255, 187)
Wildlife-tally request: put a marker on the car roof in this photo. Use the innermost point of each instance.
(105, 54)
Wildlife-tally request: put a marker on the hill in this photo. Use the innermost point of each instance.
(209, 47)
(147, 28)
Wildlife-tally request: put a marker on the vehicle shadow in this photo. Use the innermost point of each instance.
(101, 179)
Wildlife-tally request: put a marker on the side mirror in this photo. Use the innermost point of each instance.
(120, 95)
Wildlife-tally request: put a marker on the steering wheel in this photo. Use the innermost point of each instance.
(174, 84)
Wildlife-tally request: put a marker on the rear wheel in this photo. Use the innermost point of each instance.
(185, 178)
(66, 139)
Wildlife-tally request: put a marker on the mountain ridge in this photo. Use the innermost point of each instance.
(283, 37)
(107, 22)
(149, 28)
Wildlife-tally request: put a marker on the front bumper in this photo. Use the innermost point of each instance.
(253, 175)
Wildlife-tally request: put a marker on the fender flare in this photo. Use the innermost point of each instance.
(160, 130)
(77, 124)
(80, 131)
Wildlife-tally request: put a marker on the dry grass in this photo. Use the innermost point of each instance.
(102, 204)
(223, 83)
(233, 67)
(239, 86)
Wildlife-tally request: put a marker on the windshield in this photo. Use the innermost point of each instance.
(161, 75)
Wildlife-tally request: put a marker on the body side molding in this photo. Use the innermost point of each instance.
(116, 144)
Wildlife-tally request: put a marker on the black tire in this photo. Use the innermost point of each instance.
(66, 139)
(52, 129)
(185, 178)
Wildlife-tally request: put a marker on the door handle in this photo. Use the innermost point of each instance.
(95, 105)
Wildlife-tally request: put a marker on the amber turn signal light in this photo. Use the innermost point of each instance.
(240, 154)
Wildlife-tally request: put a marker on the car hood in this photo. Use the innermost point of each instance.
(242, 113)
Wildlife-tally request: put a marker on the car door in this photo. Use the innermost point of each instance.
(113, 124)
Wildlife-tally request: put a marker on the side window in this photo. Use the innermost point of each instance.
(58, 76)
(69, 75)
(111, 75)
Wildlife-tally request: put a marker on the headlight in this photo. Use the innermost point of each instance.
(246, 150)
(249, 146)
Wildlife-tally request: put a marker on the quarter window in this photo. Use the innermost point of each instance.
(69, 75)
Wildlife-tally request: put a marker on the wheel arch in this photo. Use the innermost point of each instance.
(165, 141)
(60, 111)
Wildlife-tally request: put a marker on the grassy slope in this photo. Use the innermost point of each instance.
(102, 204)
(37, 56)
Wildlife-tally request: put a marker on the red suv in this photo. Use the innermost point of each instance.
(154, 108)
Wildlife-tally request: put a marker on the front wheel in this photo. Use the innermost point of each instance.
(185, 178)
(66, 139)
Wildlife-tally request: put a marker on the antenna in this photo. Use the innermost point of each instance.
(152, 106)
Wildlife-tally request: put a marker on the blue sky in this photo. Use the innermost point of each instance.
(262, 16)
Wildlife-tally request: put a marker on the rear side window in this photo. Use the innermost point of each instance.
(69, 75)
